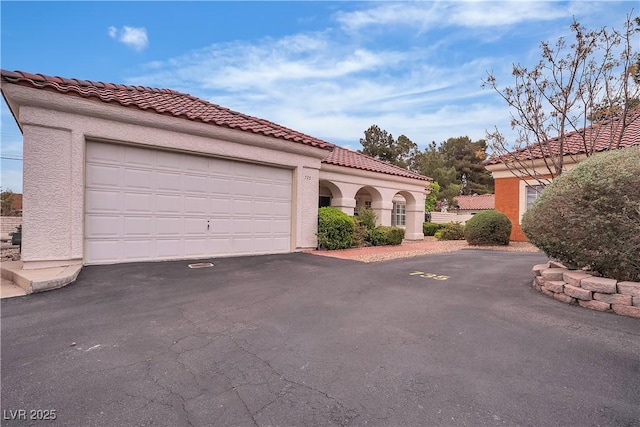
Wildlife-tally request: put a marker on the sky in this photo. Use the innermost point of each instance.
(328, 69)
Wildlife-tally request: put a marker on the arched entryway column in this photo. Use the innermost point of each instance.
(342, 195)
(412, 214)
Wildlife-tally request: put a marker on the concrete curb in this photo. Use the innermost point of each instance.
(42, 279)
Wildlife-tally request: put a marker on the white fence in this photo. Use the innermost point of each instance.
(444, 218)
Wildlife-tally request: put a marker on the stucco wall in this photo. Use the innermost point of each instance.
(507, 192)
(54, 152)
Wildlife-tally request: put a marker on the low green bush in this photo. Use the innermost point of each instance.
(451, 231)
(385, 235)
(590, 215)
(335, 229)
(488, 228)
(430, 228)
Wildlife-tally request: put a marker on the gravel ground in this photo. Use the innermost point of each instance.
(430, 245)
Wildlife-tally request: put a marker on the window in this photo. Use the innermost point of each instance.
(324, 201)
(399, 214)
(367, 204)
(533, 192)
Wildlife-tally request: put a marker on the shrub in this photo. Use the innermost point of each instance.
(361, 237)
(335, 229)
(488, 228)
(365, 224)
(385, 235)
(366, 218)
(590, 215)
(451, 231)
(430, 228)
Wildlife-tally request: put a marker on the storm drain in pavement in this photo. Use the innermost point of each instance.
(201, 265)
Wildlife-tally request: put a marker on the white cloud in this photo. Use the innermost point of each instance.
(469, 14)
(135, 38)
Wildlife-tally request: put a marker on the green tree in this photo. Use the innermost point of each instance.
(6, 203)
(466, 157)
(432, 197)
(381, 145)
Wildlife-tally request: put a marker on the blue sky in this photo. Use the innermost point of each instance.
(329, 69)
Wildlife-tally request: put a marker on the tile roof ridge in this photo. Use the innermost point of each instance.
(40, 78)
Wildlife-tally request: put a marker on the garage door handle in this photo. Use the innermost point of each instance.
(207, 225)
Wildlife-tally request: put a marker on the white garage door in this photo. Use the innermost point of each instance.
(144, 204)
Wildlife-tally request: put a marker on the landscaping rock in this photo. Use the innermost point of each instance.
(626, 310)
(556, 286)
(629, 288)
(578, 293)
(564, 298)
(595, 305)
(553, 273)
(574, 277)
(613, 299)
(538, 268)
(599, 284)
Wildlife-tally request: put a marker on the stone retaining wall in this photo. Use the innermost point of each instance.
(586, 290)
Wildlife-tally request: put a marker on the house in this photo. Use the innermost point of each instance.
(117, 173)
(516, 190)
(475, 203)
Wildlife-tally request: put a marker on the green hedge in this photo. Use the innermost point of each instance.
(590, 215)
(451, 231)
(335, 229)
(430, 228)
(489, 227)
(385, 235)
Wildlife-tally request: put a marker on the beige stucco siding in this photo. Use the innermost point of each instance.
(55, 141)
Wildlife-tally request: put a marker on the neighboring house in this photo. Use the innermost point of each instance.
(116, 173)
(515, 191)
(475, 203)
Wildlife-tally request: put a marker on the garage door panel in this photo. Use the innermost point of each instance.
(169, 248)
(139, 180)
(144, 204)
(242, 207)
(169, 203)
(138, 249)
(139, 157)
(141, 203)
(138, 226)
(196, 247)
(219, 205)
(195, 226)
(105, 154)
(196, 164)
(167, 160)
(219, 185)
(102, 201)
(169, 181)
(169, 226)
(105, 176)
(100, 251)
(243, 187)
(196, 184)
(197, 205)
(101, 226)
(220, 225)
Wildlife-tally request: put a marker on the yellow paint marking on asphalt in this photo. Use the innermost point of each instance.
(428, 275)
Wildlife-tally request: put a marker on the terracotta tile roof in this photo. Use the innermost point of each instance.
(477, 202)
(161, 101)
(605, 134)
(351, 159)
(184, 106)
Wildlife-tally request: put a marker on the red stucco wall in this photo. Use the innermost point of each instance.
(508, 201)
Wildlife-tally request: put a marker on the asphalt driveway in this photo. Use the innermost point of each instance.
(303, 340)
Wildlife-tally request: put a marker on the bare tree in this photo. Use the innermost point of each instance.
(579, 96)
